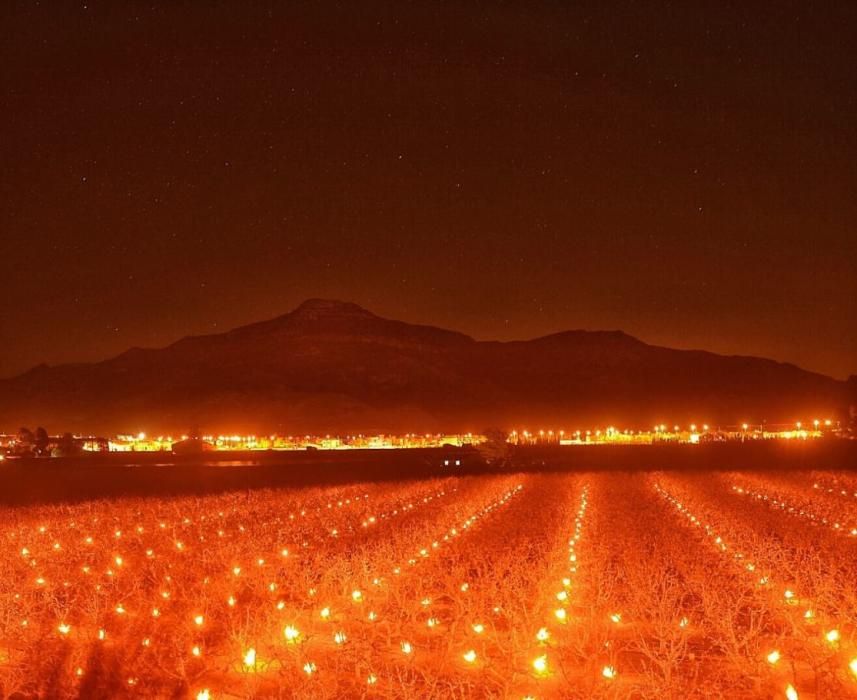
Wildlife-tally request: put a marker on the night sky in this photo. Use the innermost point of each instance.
(684, 171)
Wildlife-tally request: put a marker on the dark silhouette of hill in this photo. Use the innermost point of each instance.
(330, 366)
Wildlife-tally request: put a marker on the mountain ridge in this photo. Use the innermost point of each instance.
(329, 365)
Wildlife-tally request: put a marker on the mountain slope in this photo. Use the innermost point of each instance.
(333, 366)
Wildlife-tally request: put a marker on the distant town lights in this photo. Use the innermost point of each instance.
(659, 433)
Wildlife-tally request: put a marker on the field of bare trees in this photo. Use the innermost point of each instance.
(579, 585)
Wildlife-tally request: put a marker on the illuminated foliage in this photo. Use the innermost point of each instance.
(508, 586)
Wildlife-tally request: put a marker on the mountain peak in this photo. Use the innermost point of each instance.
(330, 308)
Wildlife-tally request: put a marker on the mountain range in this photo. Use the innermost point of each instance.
(331, 366)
